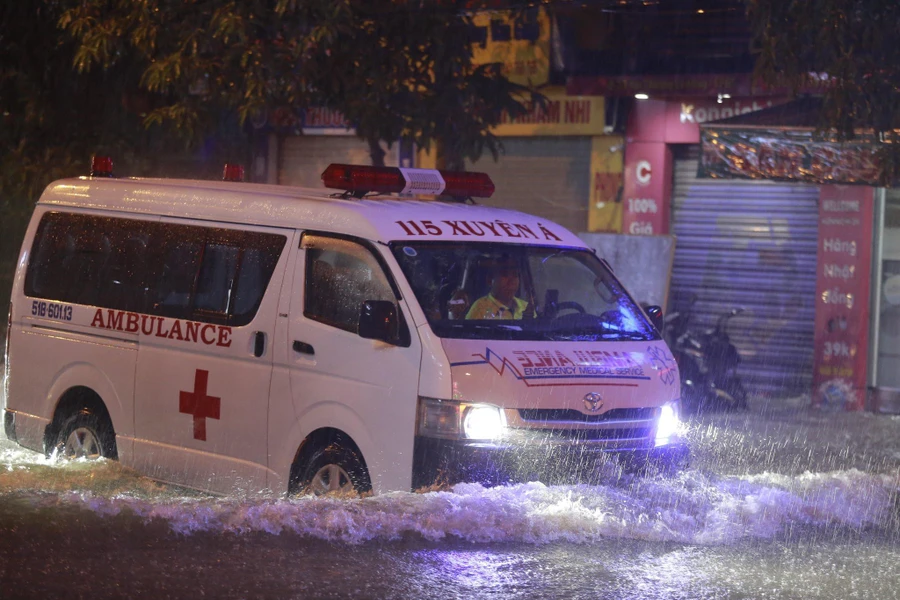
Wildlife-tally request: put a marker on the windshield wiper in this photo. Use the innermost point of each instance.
(615, 336)
(478, 327)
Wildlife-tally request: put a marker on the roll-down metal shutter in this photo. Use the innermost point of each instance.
(304, 157)
(544, 176)
(750, 244)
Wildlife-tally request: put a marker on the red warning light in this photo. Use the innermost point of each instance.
(233, 172)
(362, 179)
(101, 166)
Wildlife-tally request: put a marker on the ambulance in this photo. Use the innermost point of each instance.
(229, 336)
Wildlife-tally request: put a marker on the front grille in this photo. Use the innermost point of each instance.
(550, 415)
(596, 435)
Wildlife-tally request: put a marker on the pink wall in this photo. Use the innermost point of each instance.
(647, 188)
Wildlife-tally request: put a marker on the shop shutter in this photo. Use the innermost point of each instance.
(544, 176)
(304, 157)
(750, 244)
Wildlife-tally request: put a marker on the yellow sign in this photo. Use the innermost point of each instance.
(561, 115)
(521, 42)
(605, 209)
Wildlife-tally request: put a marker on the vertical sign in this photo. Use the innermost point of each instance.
(520, 41)
(605, 208)
(647, 188)
(842, 296)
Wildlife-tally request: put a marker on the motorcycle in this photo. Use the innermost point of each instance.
(722, 358)
(707, 363)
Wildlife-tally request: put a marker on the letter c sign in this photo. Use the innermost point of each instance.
(642, 172)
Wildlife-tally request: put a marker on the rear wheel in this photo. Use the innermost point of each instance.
(737, 390)
(85, 435)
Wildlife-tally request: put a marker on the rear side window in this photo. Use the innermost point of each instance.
(184, 271)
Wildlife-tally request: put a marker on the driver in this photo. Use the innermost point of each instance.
(501, 302)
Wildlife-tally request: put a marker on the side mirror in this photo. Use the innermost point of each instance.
(656, 316)
(378, 321)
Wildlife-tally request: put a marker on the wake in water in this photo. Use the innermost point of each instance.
(693, 508)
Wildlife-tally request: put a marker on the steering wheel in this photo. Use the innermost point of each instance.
(612, 317)
(569, 305)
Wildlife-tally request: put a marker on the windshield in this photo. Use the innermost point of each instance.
(504, 291)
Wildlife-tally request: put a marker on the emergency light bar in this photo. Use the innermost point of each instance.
(101, 166)
(233, 172)
(359, 180)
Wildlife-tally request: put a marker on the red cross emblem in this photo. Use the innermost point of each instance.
(198, 404)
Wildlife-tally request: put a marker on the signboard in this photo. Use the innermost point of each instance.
(319, 120)
(519, 41)
(679, 121)
(842, 296)
(647, 188)
(786, 155)
(315, 120)
(605, 208)
(688, 85)
(562, 115)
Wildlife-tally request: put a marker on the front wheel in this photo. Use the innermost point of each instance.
(85, 435)
(333, 470)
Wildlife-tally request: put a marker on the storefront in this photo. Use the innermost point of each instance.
(325, 138)
(557, 163)
(856, 342)
(884, 366)
(740, 244)
(751, 245)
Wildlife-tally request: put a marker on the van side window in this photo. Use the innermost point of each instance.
(256, 268)
(217, 279)
(183, 271)
(340, 276)
(178, 261)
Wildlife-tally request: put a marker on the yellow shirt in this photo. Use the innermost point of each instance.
(488, 307)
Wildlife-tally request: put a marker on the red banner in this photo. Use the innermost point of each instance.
(842, 296)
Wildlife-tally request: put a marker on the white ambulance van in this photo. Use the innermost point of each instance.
(229, 336)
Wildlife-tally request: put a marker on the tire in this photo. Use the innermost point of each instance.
(333, 470)
(667, 466)
(737, 390)
(85, 435)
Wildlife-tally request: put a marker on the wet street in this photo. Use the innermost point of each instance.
(780, 502)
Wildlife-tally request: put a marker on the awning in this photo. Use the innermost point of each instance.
(781, 143)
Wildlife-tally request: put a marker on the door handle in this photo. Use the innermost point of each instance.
(259, 344)
(303, 348)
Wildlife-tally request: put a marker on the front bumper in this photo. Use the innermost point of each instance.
(440, 461)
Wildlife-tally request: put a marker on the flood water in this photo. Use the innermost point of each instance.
(781, 502)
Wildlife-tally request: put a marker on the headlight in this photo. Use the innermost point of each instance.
(483, 422)
(668, 425)
(455, 420)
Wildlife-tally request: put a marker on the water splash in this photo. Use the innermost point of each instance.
(693, 509)
(767, 475)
